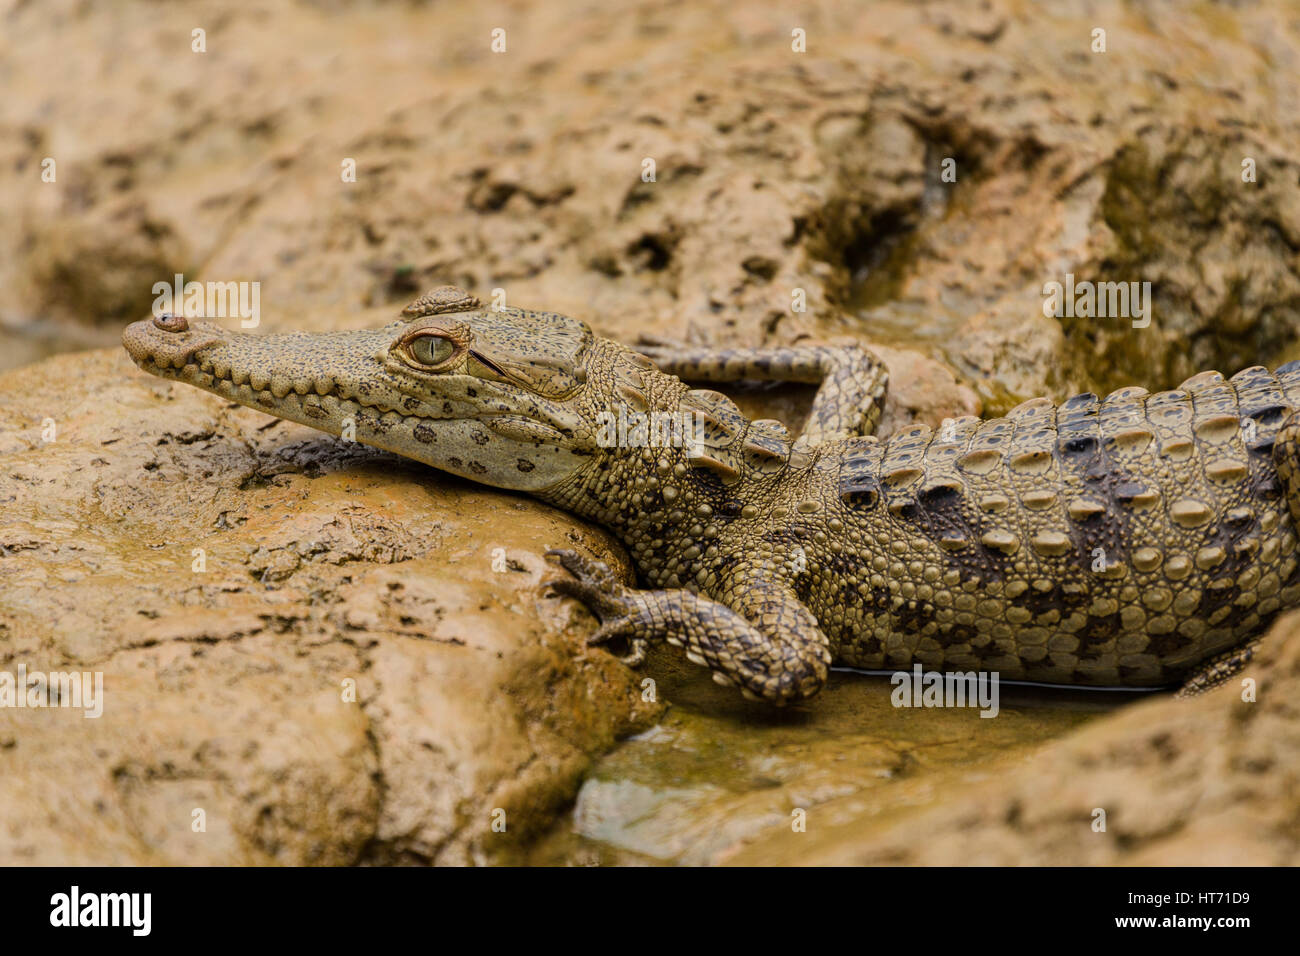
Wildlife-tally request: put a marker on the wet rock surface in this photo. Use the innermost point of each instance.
(779, 178)
(1165, 782)
(334, 655)
(718, 779)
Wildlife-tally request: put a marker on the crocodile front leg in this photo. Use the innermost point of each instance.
(767, 643)
(848, 403)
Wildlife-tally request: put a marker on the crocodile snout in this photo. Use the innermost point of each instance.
(168, 340)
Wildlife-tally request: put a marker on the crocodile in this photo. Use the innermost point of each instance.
(1139, 540)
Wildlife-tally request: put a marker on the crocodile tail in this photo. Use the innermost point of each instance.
(1286, 458)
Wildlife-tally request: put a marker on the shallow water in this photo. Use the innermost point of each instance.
(720, 774)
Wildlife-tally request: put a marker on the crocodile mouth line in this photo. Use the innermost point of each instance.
(309, 405)
(246, 389)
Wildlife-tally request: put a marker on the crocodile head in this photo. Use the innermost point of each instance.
(499, 397)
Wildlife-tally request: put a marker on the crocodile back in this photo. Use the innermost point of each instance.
(1107, 541)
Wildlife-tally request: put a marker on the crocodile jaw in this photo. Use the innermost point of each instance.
(342, 383)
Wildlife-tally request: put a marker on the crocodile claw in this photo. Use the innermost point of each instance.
(595, 585)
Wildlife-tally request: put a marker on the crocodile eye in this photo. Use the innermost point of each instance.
(430, 350)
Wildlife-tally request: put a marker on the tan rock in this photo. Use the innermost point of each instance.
(357, 675)
(777, 175)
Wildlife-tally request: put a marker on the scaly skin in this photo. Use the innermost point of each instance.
(1137, 540)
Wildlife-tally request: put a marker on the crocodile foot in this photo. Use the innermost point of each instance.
(614, 604)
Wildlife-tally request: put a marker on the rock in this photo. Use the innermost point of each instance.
(229, 690)
(921, 390)
(913, 180)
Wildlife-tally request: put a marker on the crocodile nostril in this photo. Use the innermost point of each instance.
(171, 323)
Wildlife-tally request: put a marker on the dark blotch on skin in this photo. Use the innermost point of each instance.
(942, 496)
(1095, 634)
(1079, 447)
(909, 511)
(1038, 602)
(989, 648)
(523, 464)
(1272, 415)
(424, 433)
(859, 490)
(1163, 645)
(1214, 598)
(914, 615)
(1265, 485)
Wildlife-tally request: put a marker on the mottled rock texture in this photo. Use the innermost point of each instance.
(775, 170)
(357, 674)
